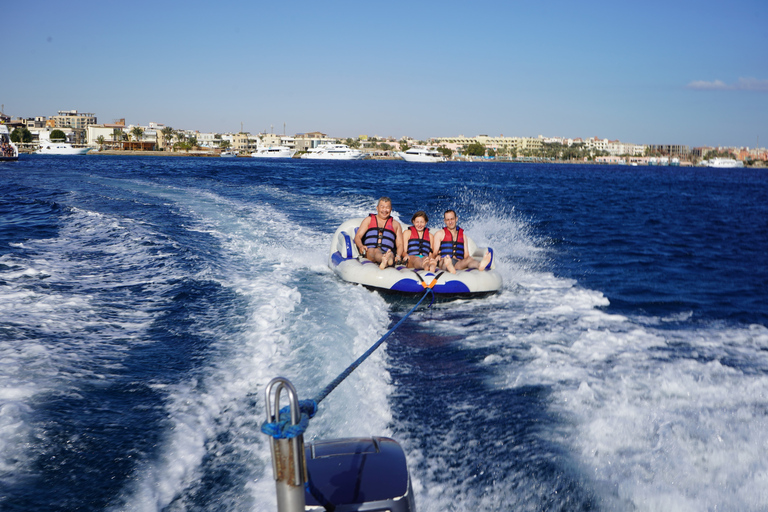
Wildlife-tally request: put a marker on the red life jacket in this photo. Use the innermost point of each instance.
(418, 246)
(383, 238)
(451, 247)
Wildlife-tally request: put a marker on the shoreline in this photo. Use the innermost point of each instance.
(206, 154)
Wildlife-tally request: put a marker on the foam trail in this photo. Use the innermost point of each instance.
(276, 337)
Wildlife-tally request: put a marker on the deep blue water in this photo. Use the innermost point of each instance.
(146, 302)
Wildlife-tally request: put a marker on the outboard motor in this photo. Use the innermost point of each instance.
(341, 475)
(358, 474)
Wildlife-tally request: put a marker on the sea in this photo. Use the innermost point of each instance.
(146, 302)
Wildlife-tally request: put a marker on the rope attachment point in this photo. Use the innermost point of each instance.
(286, 428)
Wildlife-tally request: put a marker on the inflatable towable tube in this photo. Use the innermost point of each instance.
(345, 260)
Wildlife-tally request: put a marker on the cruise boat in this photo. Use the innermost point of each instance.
(422, 154)
(273, 152)
(61, 148)
(8, 150)
(333, 152)
(724, 163)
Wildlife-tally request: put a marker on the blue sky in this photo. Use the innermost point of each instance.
(653, 72)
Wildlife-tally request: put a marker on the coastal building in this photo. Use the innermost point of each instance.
(208, 139)
(499, 144)
(241, 142)
(617, 148)
(112, 134)
(75, 121)
(669, 149)
(307, 141)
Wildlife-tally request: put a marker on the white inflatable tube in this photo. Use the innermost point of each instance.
(345, 260)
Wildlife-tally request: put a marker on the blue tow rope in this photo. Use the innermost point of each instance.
(283, 429)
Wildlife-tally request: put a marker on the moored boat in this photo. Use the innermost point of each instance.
(273, 152)
(333, 152)
(61, 148)
(8, 150)
(422, 154)
(347, 263)
(724, 163)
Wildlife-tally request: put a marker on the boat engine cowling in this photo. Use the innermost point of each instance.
(358, 474)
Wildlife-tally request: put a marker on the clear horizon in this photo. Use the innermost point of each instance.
(688, 73)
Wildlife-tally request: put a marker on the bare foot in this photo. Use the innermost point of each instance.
(386, 259)
(449, 265)
(485, 261)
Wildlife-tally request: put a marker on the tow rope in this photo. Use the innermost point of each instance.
(283, 427)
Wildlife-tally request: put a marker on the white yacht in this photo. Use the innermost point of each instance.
(333, 152)
(61, 148)
(273, 152)
(8, 150)
(724, 163)
(228, 154)
(422, 154)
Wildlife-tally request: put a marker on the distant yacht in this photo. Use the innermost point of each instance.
(273, 152)
(333, 152)
(61, 148)
(8, 150)
(724, 163)
(422, 154)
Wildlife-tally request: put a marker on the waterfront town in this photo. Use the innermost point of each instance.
(83, 129)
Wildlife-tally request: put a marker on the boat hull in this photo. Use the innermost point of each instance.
(333, 152)
(274, 153)
(61, 149)
(421, 158)
(347, 263)
(331, 156)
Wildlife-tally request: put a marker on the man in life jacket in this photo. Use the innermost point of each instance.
(380, 237)
(448, 246)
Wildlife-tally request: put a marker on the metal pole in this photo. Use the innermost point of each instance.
(288, 462)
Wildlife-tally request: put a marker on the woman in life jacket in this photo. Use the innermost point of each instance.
(417, 244)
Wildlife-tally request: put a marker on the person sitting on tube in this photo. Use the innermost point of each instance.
(448, 247)
(380, 237)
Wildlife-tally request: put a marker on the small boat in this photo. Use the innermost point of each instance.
(724, 163)
(347, 263)
(8, 150)
(273, 152)
(228, 154)
(333, 152)
(61, 148)
(422, 154)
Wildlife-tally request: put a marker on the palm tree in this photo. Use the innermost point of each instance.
(137, 132)
(180, 139)
(100, 142)
(167, 135)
